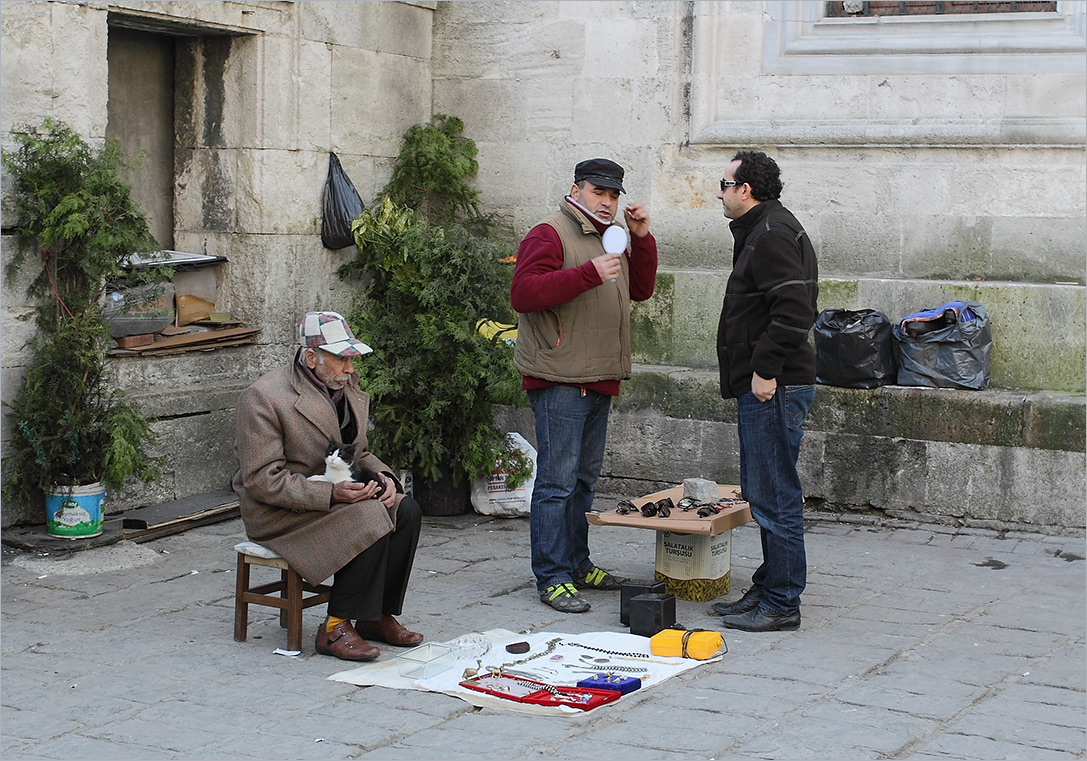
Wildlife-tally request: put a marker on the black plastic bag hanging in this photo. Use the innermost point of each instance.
(853, 348)
(342, 206)
(945, 347)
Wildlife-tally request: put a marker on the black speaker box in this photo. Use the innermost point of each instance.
(649, 613)
(632, 589)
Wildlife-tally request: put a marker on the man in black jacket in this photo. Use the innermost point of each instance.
(768, 365)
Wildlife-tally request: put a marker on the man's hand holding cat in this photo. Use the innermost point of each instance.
(353, 491)
(388, 497)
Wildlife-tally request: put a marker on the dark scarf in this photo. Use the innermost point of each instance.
(348, 429)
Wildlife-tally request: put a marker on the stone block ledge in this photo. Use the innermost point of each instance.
(994, 460)
(938, 525)
(993, 417)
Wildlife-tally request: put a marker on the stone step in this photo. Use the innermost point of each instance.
(993, 459)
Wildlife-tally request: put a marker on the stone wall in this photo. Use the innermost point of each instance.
(263, 92)
(933, 158)
(998, 459)
(930, 159)
(971, 170)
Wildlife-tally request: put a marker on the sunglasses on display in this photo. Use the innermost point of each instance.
(662, 507)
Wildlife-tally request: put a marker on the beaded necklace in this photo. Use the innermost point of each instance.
(642, 657)
(616, 653)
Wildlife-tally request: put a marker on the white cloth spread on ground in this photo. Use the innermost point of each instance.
(554, 658)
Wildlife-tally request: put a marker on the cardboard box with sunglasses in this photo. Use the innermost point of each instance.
(693, 554)
(679, 521)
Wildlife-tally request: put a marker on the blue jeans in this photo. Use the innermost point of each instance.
(570, 434)
(770, 434)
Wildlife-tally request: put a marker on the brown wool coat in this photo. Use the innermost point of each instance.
(282, 426)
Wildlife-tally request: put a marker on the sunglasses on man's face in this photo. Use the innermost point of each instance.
(725, 184)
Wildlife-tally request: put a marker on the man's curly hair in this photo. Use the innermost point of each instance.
(760, 172)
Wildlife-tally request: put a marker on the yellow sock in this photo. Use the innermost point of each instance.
(333, 622)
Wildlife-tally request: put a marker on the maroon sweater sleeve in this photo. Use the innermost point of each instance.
(643, 266)
(539, 281)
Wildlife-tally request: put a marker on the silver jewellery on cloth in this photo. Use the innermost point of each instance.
(551, 645)
(603, 669)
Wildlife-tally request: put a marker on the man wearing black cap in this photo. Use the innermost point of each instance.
(573, 349)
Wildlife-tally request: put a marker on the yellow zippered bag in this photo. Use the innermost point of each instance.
(698, 644)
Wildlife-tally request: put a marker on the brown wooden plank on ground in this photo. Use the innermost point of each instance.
(153, 521)
(153, 351)
(194, 341)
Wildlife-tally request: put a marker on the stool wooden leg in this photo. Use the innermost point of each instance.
(294, 610)
(284, 576)
(241, 608)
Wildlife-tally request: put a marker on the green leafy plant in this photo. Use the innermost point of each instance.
(432, 172)
(75, 217)
(435, 380)
(432, 266)
(515, 463)
(76, 220)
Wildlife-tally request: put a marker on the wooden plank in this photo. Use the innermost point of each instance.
(679, 522)
(205, 346)
(212, 516)
(179, 510)
(194, 340)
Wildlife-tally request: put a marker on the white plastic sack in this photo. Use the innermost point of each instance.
(490, 495)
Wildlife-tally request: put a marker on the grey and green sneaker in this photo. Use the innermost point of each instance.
(598, 578)
(564, 598)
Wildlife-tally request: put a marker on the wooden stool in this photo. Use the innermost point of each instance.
(290, 587)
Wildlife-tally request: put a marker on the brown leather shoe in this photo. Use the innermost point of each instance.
(388, 630)
(344, 643)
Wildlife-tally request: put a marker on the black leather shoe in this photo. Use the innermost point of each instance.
(749, 601)
(762, 620)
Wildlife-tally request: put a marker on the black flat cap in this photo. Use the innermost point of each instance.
(600, 172)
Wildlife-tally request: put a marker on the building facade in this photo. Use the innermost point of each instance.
(930, 156)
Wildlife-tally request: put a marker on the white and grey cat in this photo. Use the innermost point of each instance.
(340, 465)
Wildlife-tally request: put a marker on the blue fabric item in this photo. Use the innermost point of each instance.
(621, 684)
(933, 319)
(571, 428)
(770, 434)
(932, 314)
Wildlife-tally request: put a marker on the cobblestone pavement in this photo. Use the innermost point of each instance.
(918, 642)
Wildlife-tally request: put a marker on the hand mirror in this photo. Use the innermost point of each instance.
(614, 240)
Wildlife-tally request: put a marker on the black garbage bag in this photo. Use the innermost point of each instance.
(342, 206)
(945, 347)
(853, 348)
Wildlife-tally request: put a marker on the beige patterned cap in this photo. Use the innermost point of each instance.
(329, 331)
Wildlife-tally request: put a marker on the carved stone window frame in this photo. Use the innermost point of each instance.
(797, 40)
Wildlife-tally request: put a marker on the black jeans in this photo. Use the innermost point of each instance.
(376, 580)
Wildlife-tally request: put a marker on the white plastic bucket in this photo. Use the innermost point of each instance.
(75, 512)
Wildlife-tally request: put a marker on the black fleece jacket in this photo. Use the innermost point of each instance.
(770, 302)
